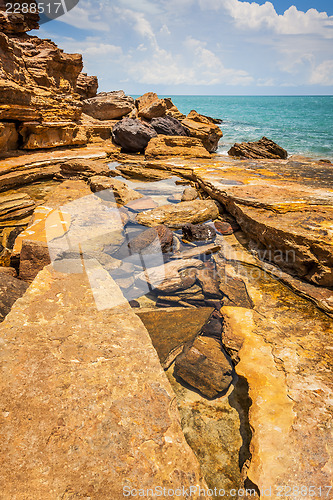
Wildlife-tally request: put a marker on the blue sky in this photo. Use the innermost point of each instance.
(212, 47)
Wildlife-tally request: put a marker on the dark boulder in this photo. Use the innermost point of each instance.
(198, 232)
(167, 125)
(264, 148)
(132, 134)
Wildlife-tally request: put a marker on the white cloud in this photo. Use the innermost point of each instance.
(323, 73)
(85, 16)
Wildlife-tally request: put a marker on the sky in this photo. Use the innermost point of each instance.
(202, 47)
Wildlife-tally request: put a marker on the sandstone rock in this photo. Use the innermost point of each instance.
(223, 227)
(132, 135)
(144, 172)
(50, 135)
(17, 207)
(11, 22)
(264, 148)
(202, 128)
(150, 106)
(10, 290)
(167, 125)
(170, 329)
(8, 137)
(165, 145)
(108, 105)
(172, 276)
(195, 251)
(86, 86)
(172, 110)
(34, 257)
(16, 178)
(209, 281)
(204, 366)
(87, 384)
(158, 238)
(198, 232)
(9, 271)
(83, 168)
(142, 204)
(177, 215)
(95, 130)
(113, 190)
(213, 327)
(189, 194)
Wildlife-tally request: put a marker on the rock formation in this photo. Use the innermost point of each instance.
(264, 148)
(150, 106)
(132, 135)
(166, 145)
(167, 125)
(109, 105)
(203, 128)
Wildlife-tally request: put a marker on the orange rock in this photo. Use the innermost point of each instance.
(169, 145)
(203, 128)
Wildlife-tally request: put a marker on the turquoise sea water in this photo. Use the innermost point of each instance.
(302, 124)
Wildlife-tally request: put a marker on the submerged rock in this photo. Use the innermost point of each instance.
(264, 148)
(10, 290)
(165, 145)
(177, 215)
(204, 366)
(198, 232)
(203, 128)
(132, 134)
(167, 125)
(109, 105)
(189, 194)
(158, 238)
(113, 190)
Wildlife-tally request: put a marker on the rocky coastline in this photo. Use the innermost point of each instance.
(166, 312)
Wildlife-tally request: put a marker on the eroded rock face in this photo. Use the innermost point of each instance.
(164, 146)
(150, 106)
(109, 105)
(264, 148)
(204, 366)
(132, 135)
(203, 128)
(86, 86)
(167, 125)
(83, 168)
(10, 290)
(176, 215)
(172, 110)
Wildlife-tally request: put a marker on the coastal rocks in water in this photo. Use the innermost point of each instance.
(150, 106)
(143, 172)
(167, 125)
(10, 290)
(109, 105)
(203, 128)
(195, 251)
(142, 204)
(84, 169)
(177, 215)
(264, 148)
(172, 110)
(198, 232)
(158, 238)
(171, 328)
(204, 366)
(175, 275)
(168, 145)
(189, 194)
(132, 135)
(113, 190)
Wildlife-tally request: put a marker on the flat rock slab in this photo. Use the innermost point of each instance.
(86, 408)
(171, 328)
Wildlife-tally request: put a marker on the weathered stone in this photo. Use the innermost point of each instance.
(158, 238)
(113, 189)
(167, 125)
(143, 172)
(198, 232)
(195, 251)
(170, 329)
(8, 138)
(16, 209)
(213, 327)
(165, 145)
(177, 215)
(8, 270)
(145, 203)
(86, 86)
(108, 105)
(11, 22)
(87, 384)
(10, 290)
(150, 106)
(189, 194)
(202, 127)
(209, 280)
(172, 276)
(28, 175)
(34, 257)
(132, 135)
(204, 366)
(172, 110)
(83, 168)
(50, 135)
(223, 227)
(96, 130)
(264, 148)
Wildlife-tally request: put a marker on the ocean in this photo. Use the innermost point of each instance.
(300, 124)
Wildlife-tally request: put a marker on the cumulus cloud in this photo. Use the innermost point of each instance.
(323, 73)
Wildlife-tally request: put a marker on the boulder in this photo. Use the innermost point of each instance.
(10, 290)
(113, 190)
(175, 275)
(198, 232)
(158, 238)
(108, 105)
(164, 146)
(132, 135)
(189, 194)
(34, 257)
(264, 148)
(150, 106)
(86, 86)
(83, 169)
(225, 228)
(204, 366)
(177, 215)
(203, 128)
(172, 110)
(167, 125)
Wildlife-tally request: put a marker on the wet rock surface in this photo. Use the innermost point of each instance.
(113, 190)
(152, 240)
(264, 148)
(82, 169)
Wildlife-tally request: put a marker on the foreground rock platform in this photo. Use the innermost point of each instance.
(86, 406)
